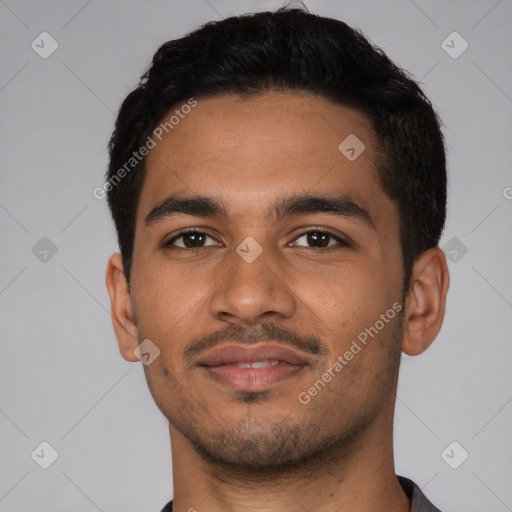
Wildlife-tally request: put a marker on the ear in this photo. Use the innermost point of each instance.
(121, 308)
(426, 301)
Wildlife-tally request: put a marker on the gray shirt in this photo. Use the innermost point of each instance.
(419, 502)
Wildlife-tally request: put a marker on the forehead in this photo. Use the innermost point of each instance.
(250, 151)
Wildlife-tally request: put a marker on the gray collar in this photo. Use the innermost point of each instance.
(419, 502)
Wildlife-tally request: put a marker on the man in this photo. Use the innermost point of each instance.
(278, 187)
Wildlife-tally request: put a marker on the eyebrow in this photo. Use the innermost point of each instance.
(203, 206)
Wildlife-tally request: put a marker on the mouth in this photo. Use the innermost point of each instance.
(252, 368)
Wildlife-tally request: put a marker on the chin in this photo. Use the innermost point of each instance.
(259, 447)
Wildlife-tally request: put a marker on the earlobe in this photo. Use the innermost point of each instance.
(121, 308)
(425, 302)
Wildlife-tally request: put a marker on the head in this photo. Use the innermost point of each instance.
(312, 170)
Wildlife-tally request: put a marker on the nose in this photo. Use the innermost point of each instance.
(253, 290)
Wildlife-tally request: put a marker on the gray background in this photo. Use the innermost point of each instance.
(62, 379)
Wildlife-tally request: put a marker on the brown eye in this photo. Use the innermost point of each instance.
(322, 239)
(190, 240)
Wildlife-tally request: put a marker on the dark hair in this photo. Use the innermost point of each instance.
(291, 50)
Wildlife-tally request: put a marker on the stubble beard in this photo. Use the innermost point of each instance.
(251, 448)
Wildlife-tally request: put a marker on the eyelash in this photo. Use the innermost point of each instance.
(341, 243)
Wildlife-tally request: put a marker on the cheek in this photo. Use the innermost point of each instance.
(348, 305)
(346, 293)
(165, 301)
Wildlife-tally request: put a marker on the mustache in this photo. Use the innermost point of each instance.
(263, 332)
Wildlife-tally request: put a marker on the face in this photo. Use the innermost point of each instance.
(277, 318)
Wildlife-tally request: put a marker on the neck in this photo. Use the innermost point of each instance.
(359, 477)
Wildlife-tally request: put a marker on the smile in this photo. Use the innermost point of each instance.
(254, 367)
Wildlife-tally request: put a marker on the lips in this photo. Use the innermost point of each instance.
(252, 368)
(235, 354)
